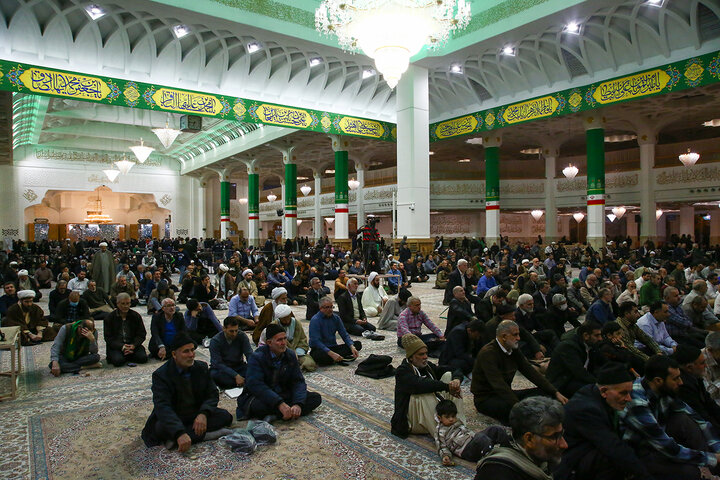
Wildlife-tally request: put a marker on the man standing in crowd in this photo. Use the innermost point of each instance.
(103, 268)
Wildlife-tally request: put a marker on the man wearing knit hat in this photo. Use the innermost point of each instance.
(274, 385)
(692, 391)
(419, 386)
(596, 449)
(29, 317)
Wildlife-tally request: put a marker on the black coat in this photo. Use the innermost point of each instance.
(157, 329)
(567, 363)
(589, 427)
(459, 346)
(61, 311)
(313, 301)
(114, 332)
(693, 392)
(484, 309)
(458, 312)
(345, 307)
(455, 279)
(165, 381)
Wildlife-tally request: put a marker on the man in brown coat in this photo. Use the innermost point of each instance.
(30, 318)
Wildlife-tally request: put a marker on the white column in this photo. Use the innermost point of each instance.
(413, 154)
(360, 194)
(687, 221)
(12, 215)
(492, 142)
(551, 234)
(319, 223)
(201, 208)
(648, 226)
(595, 146)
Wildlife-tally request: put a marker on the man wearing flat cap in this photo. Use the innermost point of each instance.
(596, 449)
(274, 385)
(30, 318)
(419, 386)
(185, 401)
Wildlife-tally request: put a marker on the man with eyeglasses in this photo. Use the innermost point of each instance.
(537, 428)
(164, 327)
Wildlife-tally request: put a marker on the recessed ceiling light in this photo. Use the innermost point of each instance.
(474, 141)
(530, 151)
(654, 3)
(712, 123)
(253, 47)
(509, 51)
(315, 61)
(95, 11)
(619, 138)
(456, 68)
(303, 178)
(329, 171)
(181, 30)
(464, 160)
(368, 72)
(574, 28)
(431, 153)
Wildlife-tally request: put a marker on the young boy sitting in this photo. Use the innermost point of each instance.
(453, 437)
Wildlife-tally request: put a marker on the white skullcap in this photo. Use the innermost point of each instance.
(652, 252)
(77, 291)
(13, 263)
(372, 276)
(525, 260)
(246, 271)
(277, 291)
(332, 256)
(26, 294)
(23, 272)
(103, 244)
(390, 256)
(282, 311)
(223, 267)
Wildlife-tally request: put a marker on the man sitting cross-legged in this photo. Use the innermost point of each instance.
(351, 311)
(185, 401)
(323, 328)
(124, 334)
(30, 318)
(296, 338)
(229, 353)
(274, 384)
(74, 348)
(165, 325)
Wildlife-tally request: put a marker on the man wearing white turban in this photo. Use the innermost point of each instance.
(103, 268)
(374, 296)
(26, 282)
(297, 341)
(248, 282)
(267, 314)
(30, 318)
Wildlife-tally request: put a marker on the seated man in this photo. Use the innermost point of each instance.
(671, 440)
(460, 309)
(71, 309)
(324, 348)
(559, 314)
(97, 300)
(374, 296)
(124, 334)
(79, 283)
(487, 307)
(61, 292)
(692, 390)
(601, 310)
(242, 308)
(43, 275)
(679, 325)
(204, 292)
(462, 345)
(123, 286)
(419, 386)
(274, 385)
(351, 311)
(161, 291)
(31, 320)
(412, 319)
(229, 353)
(537, 428)
(296, 338)
(486, 282)
(653, 324)
(248, 282)
(9, 299)
(494, 370)
(525, 317)
(313, 296)
(632, 335)
(201, 322)
(74, 348)
(392, 310)
(267, 314)
(26, 282)
(596, 450)
(165, 325)
(712, 365)
(572, 361)
(185, 401)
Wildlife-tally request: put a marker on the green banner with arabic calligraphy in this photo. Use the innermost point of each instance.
(18, 77)
(695, 72)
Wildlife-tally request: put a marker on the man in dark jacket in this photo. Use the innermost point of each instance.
(458, 277)
(351, 310)
(692, 390)
(72, 309)
(229, 353)
(460, 310)
(487, 307)
(274, 385)
(419, 382)
(572, 360)
(462, 344)
(164, 326)
(596, 450)
(185, 401)
(125, 334)
(313, 296)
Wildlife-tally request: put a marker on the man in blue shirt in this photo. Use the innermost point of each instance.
(486, 282)
(323, 345)
(229, 352)
(601, 310)
(653, 323)
(242, 308)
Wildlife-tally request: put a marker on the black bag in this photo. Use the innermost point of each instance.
(376, 366)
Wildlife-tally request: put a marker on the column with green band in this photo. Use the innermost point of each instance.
(492, 144)
(224, 209)
(595, 140)
(253, 208)
(290, 196)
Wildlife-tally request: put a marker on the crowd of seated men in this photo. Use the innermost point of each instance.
(624, 357)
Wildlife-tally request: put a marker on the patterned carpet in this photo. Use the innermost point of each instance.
(88, 426)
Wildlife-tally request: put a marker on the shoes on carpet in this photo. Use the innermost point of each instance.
(349, 359)
(369, 334)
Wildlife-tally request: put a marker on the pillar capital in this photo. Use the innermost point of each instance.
(593, 120)
(223, 173)
(317, 174)
(647, 137)
(550, 150)
(492, 139)
(340, 143)
(251, 166)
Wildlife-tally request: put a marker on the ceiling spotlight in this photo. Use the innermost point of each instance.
(530, 151)
(689, 159)
(573, 28)
(180, 30)
(95, 11)
(305, 190)
(509, 51)
(464, 160)
(253, 47)
(368, 72)
(315, 61)
(456, 68)
(712, 123)
(474, 141)
(570, 171)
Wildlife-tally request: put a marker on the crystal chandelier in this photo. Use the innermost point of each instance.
(570, 171)
(96, 215)
(305, 190)
(124, 165)
(391, 31)
(688, 159)
(537, 214)
(141, 151)
(578, 216)
(619, 211)
(272, 197)
(658, 214)
(166, 135)
(111, 174)
(611, 217)
(330, 219)
(353, 184)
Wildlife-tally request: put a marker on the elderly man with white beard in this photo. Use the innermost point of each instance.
(374, 296)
